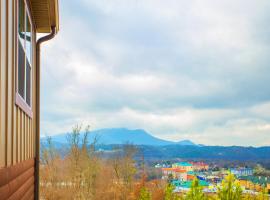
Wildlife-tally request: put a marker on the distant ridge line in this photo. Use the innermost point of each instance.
(124, 135)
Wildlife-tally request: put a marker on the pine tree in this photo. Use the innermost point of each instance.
(169, 194)
(144, 194)
(230, 189)
(263, 195)
(196, 192)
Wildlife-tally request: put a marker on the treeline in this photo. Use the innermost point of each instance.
(84, 174)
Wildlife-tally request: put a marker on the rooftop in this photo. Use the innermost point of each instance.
(174, 169)
(261, 180)
(184, 164)
(187, 184)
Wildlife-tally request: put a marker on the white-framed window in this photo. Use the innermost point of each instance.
(25, 54)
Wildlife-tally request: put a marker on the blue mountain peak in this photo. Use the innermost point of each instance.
(122, 136)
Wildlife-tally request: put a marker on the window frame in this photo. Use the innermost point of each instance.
(19, 100)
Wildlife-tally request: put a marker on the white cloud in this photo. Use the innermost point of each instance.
(179, 69)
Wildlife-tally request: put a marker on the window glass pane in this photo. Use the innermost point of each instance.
(21, 21)
(21, 70)
(24, 53)
(28, 83)
(28, 38)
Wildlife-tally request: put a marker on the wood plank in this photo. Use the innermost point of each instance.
(14, 144)
(27, 138)
(14, 133)
(3, 86)
(1, 90)
(0, 80)
(14, 113)
(13, 178)
(17, 133)
(30, 139)
(21, 136)
(10, 80)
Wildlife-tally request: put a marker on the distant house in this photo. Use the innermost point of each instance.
(161, 165)
(174, 173)
(242, 171)
(183, 166)
(188, 184)
(158, 165)
(200, 166)
(191, 175)
(256, 183)
(20, 21)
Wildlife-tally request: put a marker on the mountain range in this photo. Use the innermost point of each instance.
(121, 136)
(155, 148)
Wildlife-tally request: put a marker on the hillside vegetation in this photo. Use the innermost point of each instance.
(85, 174)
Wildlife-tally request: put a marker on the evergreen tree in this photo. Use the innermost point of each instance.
(230, 189)
(144, 194)
(170, 178)
(169, 194)
(196, 191)
(263, 195)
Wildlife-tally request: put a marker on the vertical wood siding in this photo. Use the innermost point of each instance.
(17, 129)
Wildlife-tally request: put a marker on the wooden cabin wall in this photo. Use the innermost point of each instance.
(17, 135)
(17, 129)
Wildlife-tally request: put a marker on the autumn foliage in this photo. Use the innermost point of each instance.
(84, 174)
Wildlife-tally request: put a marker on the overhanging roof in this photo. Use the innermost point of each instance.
(45, 14)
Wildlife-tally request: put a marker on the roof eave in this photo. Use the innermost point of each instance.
(45, 15)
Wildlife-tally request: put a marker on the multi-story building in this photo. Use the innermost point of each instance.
(242, 171)
(183, 166)
(174, 173)
(20, 21)
(200, 166)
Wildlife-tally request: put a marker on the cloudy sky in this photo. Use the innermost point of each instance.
(179, 69)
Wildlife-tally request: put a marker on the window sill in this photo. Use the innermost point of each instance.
(19, 101)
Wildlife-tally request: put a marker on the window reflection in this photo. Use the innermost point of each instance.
(28, 83)
(21, 21)
(21, 70)
(24, 53)
(28, 40)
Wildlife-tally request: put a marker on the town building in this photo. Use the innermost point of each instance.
(20, 21)
(182, 185)
(183, 166)
(241, 171)
(256, 183)
(174, 173)
(200, 166)
(191, 175)
(162, 165)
